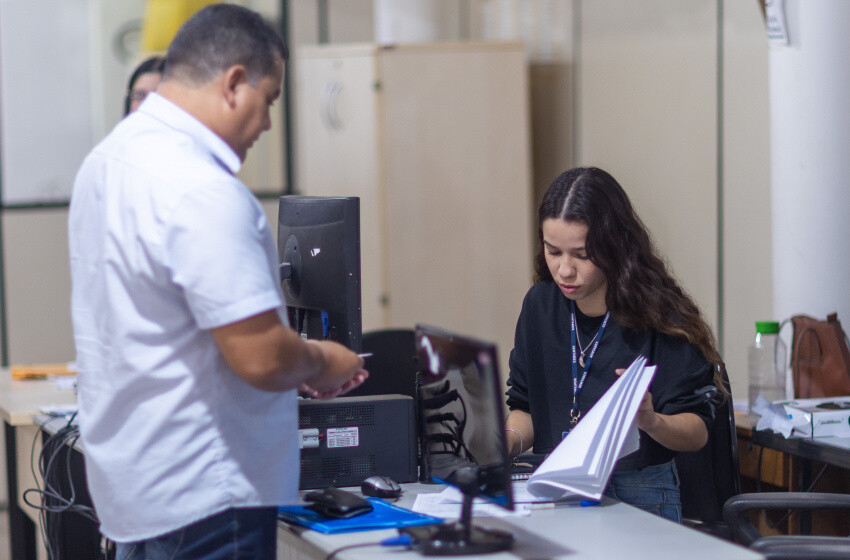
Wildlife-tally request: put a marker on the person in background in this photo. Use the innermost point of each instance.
(144, 79)
(187, 369)
(602, 297)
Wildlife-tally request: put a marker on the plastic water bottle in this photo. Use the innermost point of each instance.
(767, 356)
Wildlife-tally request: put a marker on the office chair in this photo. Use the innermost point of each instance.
(786, 547)
(708, 477)
(393, 364)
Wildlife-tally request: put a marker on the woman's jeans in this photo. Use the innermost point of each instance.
(654, 489)
(249, 533)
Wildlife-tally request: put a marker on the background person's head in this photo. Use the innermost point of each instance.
(225, 66)
(641, 292)
(144, 80)
(616, 236)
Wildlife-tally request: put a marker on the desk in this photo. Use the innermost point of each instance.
(604, 532)
(572, 532)
(19, 401)
(832, 450)
(787, 464)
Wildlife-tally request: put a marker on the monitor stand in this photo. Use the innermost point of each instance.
(462, 537)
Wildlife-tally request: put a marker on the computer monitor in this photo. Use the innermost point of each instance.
(462, 435)
(318, 241)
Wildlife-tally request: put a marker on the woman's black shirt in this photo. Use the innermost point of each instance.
(540, 380)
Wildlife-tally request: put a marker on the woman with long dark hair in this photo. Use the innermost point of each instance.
(144, 79)
(603, 294)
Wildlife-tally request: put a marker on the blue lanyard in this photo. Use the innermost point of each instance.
(578, 384)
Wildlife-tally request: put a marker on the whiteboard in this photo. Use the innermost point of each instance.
(45, 98)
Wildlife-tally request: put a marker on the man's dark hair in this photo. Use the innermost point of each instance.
(218, 37)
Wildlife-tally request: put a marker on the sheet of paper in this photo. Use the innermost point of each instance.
(523, 496)
(582, 463)
(447, 505)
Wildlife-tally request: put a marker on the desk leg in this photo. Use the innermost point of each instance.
(21, 528)
(805, 479)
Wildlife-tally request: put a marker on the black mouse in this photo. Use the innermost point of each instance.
(381, 487)
(337, 503)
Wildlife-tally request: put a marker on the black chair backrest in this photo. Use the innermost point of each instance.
(708, 477)
(393, 365)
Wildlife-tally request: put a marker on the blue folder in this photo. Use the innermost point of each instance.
(383, 516)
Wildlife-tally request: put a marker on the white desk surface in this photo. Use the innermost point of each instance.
(20, 399)
(609, 531)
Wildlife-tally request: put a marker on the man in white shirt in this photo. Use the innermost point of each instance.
(188, 370)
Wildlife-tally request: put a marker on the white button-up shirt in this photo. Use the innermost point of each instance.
(166, 244)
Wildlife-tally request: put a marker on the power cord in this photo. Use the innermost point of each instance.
(51, 472)
(781, 520)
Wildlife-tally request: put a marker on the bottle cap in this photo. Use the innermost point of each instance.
(767, 327)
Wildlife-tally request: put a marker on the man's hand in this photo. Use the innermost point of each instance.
(341, 372)
(356, 381)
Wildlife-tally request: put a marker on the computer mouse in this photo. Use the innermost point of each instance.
(336, 503)
(381, 487)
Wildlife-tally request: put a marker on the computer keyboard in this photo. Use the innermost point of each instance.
(524, 466)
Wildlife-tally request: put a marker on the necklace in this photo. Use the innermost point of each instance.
(583, 351)
(578, 381)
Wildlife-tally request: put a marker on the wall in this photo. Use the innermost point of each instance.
(36, 272)
(647, 113)
(747, 291)
(672, 99)
(692, 128)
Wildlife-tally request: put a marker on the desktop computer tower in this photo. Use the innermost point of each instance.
(347, 439)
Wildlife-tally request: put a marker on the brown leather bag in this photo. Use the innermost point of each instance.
(820, 359)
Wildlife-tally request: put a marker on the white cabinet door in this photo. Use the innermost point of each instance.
(459, 194)
(337, 151)
(435, 141)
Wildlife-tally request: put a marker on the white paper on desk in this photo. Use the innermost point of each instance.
(582, 463)
(519, 488)
(772, 417)
(782, 419)
(447, 504)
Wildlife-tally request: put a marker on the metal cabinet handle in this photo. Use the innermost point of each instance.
(329, 105)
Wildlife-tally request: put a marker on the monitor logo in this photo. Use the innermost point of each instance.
(433, 357)
(315, 251)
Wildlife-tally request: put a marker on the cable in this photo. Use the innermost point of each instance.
(781, 520)
(790, 511)
(50, 473)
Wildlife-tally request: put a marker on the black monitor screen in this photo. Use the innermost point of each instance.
(318, 241)
(461, 416)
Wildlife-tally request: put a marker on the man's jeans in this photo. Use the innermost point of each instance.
(249, 533)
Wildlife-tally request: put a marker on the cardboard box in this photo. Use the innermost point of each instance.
(820, 417)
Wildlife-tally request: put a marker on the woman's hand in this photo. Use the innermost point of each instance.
(647, 418)
(680, 432)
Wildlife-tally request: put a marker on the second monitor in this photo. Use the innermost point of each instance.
(318, 241)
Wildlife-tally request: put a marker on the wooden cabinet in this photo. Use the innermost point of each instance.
(758, 463)
(434, 139)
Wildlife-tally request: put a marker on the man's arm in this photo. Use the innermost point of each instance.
(272, 357)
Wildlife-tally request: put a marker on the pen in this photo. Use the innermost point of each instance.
(563, 503)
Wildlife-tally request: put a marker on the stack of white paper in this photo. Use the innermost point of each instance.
(583, 461)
